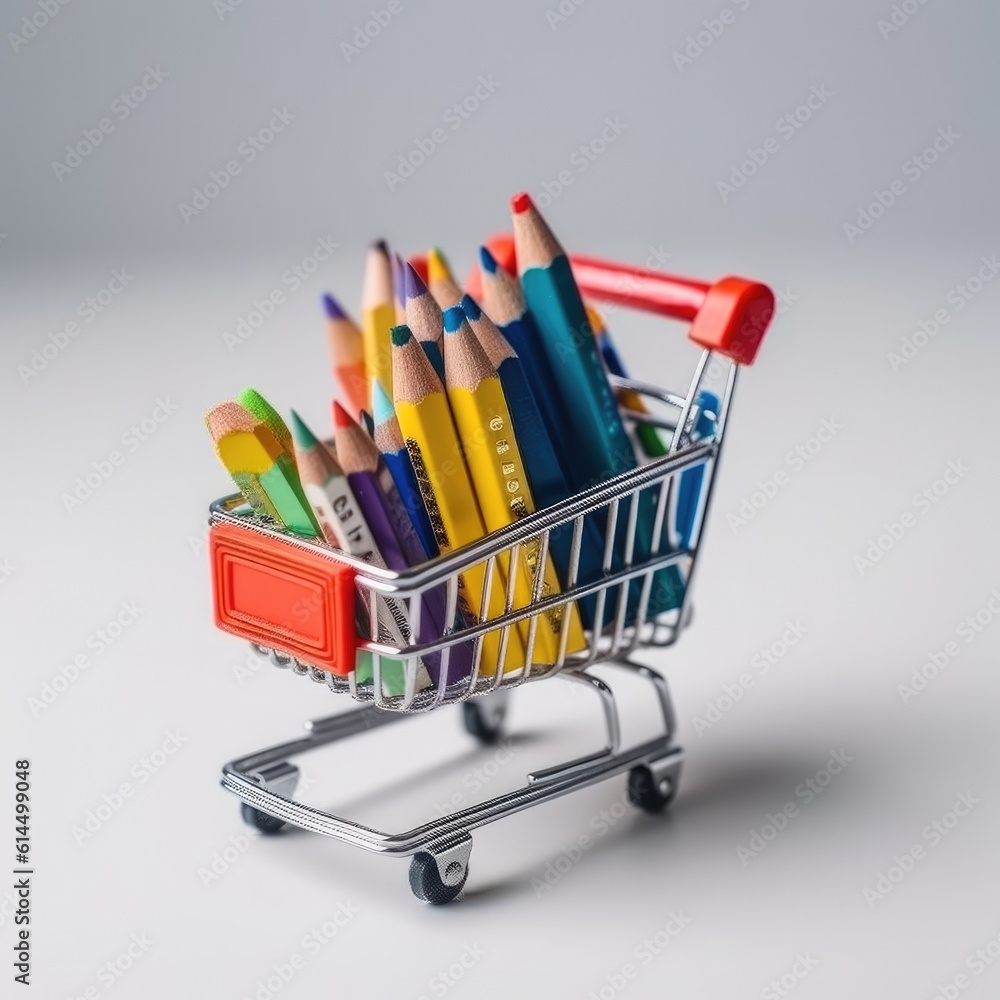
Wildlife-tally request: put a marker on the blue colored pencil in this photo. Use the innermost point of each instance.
(389, 441)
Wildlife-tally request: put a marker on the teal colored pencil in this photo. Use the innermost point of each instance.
(599, 433)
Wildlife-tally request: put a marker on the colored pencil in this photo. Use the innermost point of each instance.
(253, 401)
(419, 264)
(650, 442)
(398, 288)
(389, 441)
(440, 280)
(503, 300)
(395, 535)
(330, 493)
(423, 317)
(262, 469)
(359, 457)
(554, 300)
(600, 437)
(549, 484)
(500, 247)
(378, 315)
(435, 452)
(489, 442)
(347, 351)
(346, 526)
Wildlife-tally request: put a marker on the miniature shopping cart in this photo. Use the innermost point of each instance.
(325, 614)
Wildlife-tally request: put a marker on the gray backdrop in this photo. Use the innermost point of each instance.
(843, 153)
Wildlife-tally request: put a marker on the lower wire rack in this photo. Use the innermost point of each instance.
(439, 850)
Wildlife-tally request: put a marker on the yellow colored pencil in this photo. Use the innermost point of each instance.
(433, 445)
(440, 281)
(493, 456)
(378, 316)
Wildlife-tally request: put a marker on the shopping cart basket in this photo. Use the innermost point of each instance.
(344, 623)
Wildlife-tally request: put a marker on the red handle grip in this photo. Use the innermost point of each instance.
(729, 316)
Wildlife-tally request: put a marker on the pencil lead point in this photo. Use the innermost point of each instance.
(454, 317)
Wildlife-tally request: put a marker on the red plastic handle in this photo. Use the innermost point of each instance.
(729, 316)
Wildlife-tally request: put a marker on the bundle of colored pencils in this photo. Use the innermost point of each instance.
(456, 418)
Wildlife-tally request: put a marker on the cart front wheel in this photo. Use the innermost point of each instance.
(484, 717)
(648, 794)
(260, 820)
(425, 880)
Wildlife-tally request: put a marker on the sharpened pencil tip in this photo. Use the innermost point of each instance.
(400, 335)
(304, 437)
(341, 418)
(415, 286)
(333, 307)
(487, 260)
(521, 202)
(381, 246)
(471, 307)
(454, 317)
(381, 404)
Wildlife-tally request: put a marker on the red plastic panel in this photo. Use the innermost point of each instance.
(279, 595)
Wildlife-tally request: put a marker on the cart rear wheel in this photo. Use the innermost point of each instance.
(260, 820)
(484, 720)
(425, 880)
(648, 794)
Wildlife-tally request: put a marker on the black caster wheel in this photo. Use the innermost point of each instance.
(425, 881)
(644, 792)
(484, 721)
(260, 820)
